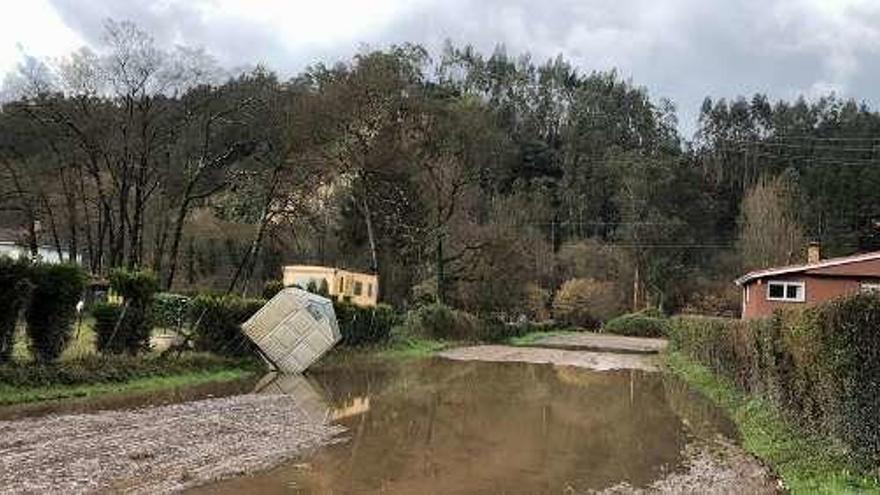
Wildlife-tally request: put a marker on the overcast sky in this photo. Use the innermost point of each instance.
(680, 49)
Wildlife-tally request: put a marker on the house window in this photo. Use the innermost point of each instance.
(786, 291)
(369, 290)
(358, 288)
(341, 285)
(871, 288)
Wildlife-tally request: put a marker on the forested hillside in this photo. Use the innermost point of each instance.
(488, 181)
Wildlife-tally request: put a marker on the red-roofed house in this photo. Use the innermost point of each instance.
(811, 283)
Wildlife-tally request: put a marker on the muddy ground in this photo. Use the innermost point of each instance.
(598, 361)
(157, 449)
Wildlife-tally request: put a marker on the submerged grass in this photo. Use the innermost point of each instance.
(807, 463)
(532, 337)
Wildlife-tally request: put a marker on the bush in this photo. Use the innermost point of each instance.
(272, 287)
(216, 322)
(170, 310)
(363, 326)
(642, 324)
(820, 365)
(586, 302)
(131, 332)
(106, 320)
(438, 321)
(52, 308)
(14, 287)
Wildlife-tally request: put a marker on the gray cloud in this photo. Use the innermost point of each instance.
(681, 49)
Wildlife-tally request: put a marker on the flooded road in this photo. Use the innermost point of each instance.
(442, 426)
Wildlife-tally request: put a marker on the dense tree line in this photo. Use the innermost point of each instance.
(482, 181)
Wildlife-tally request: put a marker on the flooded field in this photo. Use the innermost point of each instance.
(477, 422)
(442, 426)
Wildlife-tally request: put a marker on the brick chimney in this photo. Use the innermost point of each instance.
(814, 252)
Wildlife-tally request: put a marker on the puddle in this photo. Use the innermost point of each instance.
(443, 426)
(128, 400)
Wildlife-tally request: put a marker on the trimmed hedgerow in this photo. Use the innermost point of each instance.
(364, 326)
(637, 325)
(14, 288)
(130, 333)
(820, 365)
(170, 310)
(52, 308)
(216, 323)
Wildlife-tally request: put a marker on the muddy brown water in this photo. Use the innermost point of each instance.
(440, 426)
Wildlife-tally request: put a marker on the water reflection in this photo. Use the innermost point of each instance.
(438, 426)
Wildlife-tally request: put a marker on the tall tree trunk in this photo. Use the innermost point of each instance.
(368, 219)
(175, 242)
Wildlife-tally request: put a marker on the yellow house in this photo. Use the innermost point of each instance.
(356, 287)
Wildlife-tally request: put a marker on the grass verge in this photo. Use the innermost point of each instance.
(93, 375)
(807, 463)
(14, 395)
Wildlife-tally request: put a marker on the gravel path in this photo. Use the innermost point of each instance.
(155, 450)
(599, 361)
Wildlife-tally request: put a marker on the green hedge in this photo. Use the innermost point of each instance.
(217, 320)
(364, 326)
(52, 308)
(14, 287)
(131, 332)
(440, 322)
(637, 325)
(820, 365)
(170, 310)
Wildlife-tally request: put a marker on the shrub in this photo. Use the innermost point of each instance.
(52, 308)
(438, 321)
(107, 318)
(640, 324)
(272, 287)
(586, 302)
(216, 323)
(364, 326)
(170, 310)
(14, 287)
(820, 365)
(131, 332)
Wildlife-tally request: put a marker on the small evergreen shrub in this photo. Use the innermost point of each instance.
(14, 288)
(364, 326)
(216, 323)
(637, 325)
(132, 333)
(106, 320)
(170, 310)
(52, 308)
(438, 321)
